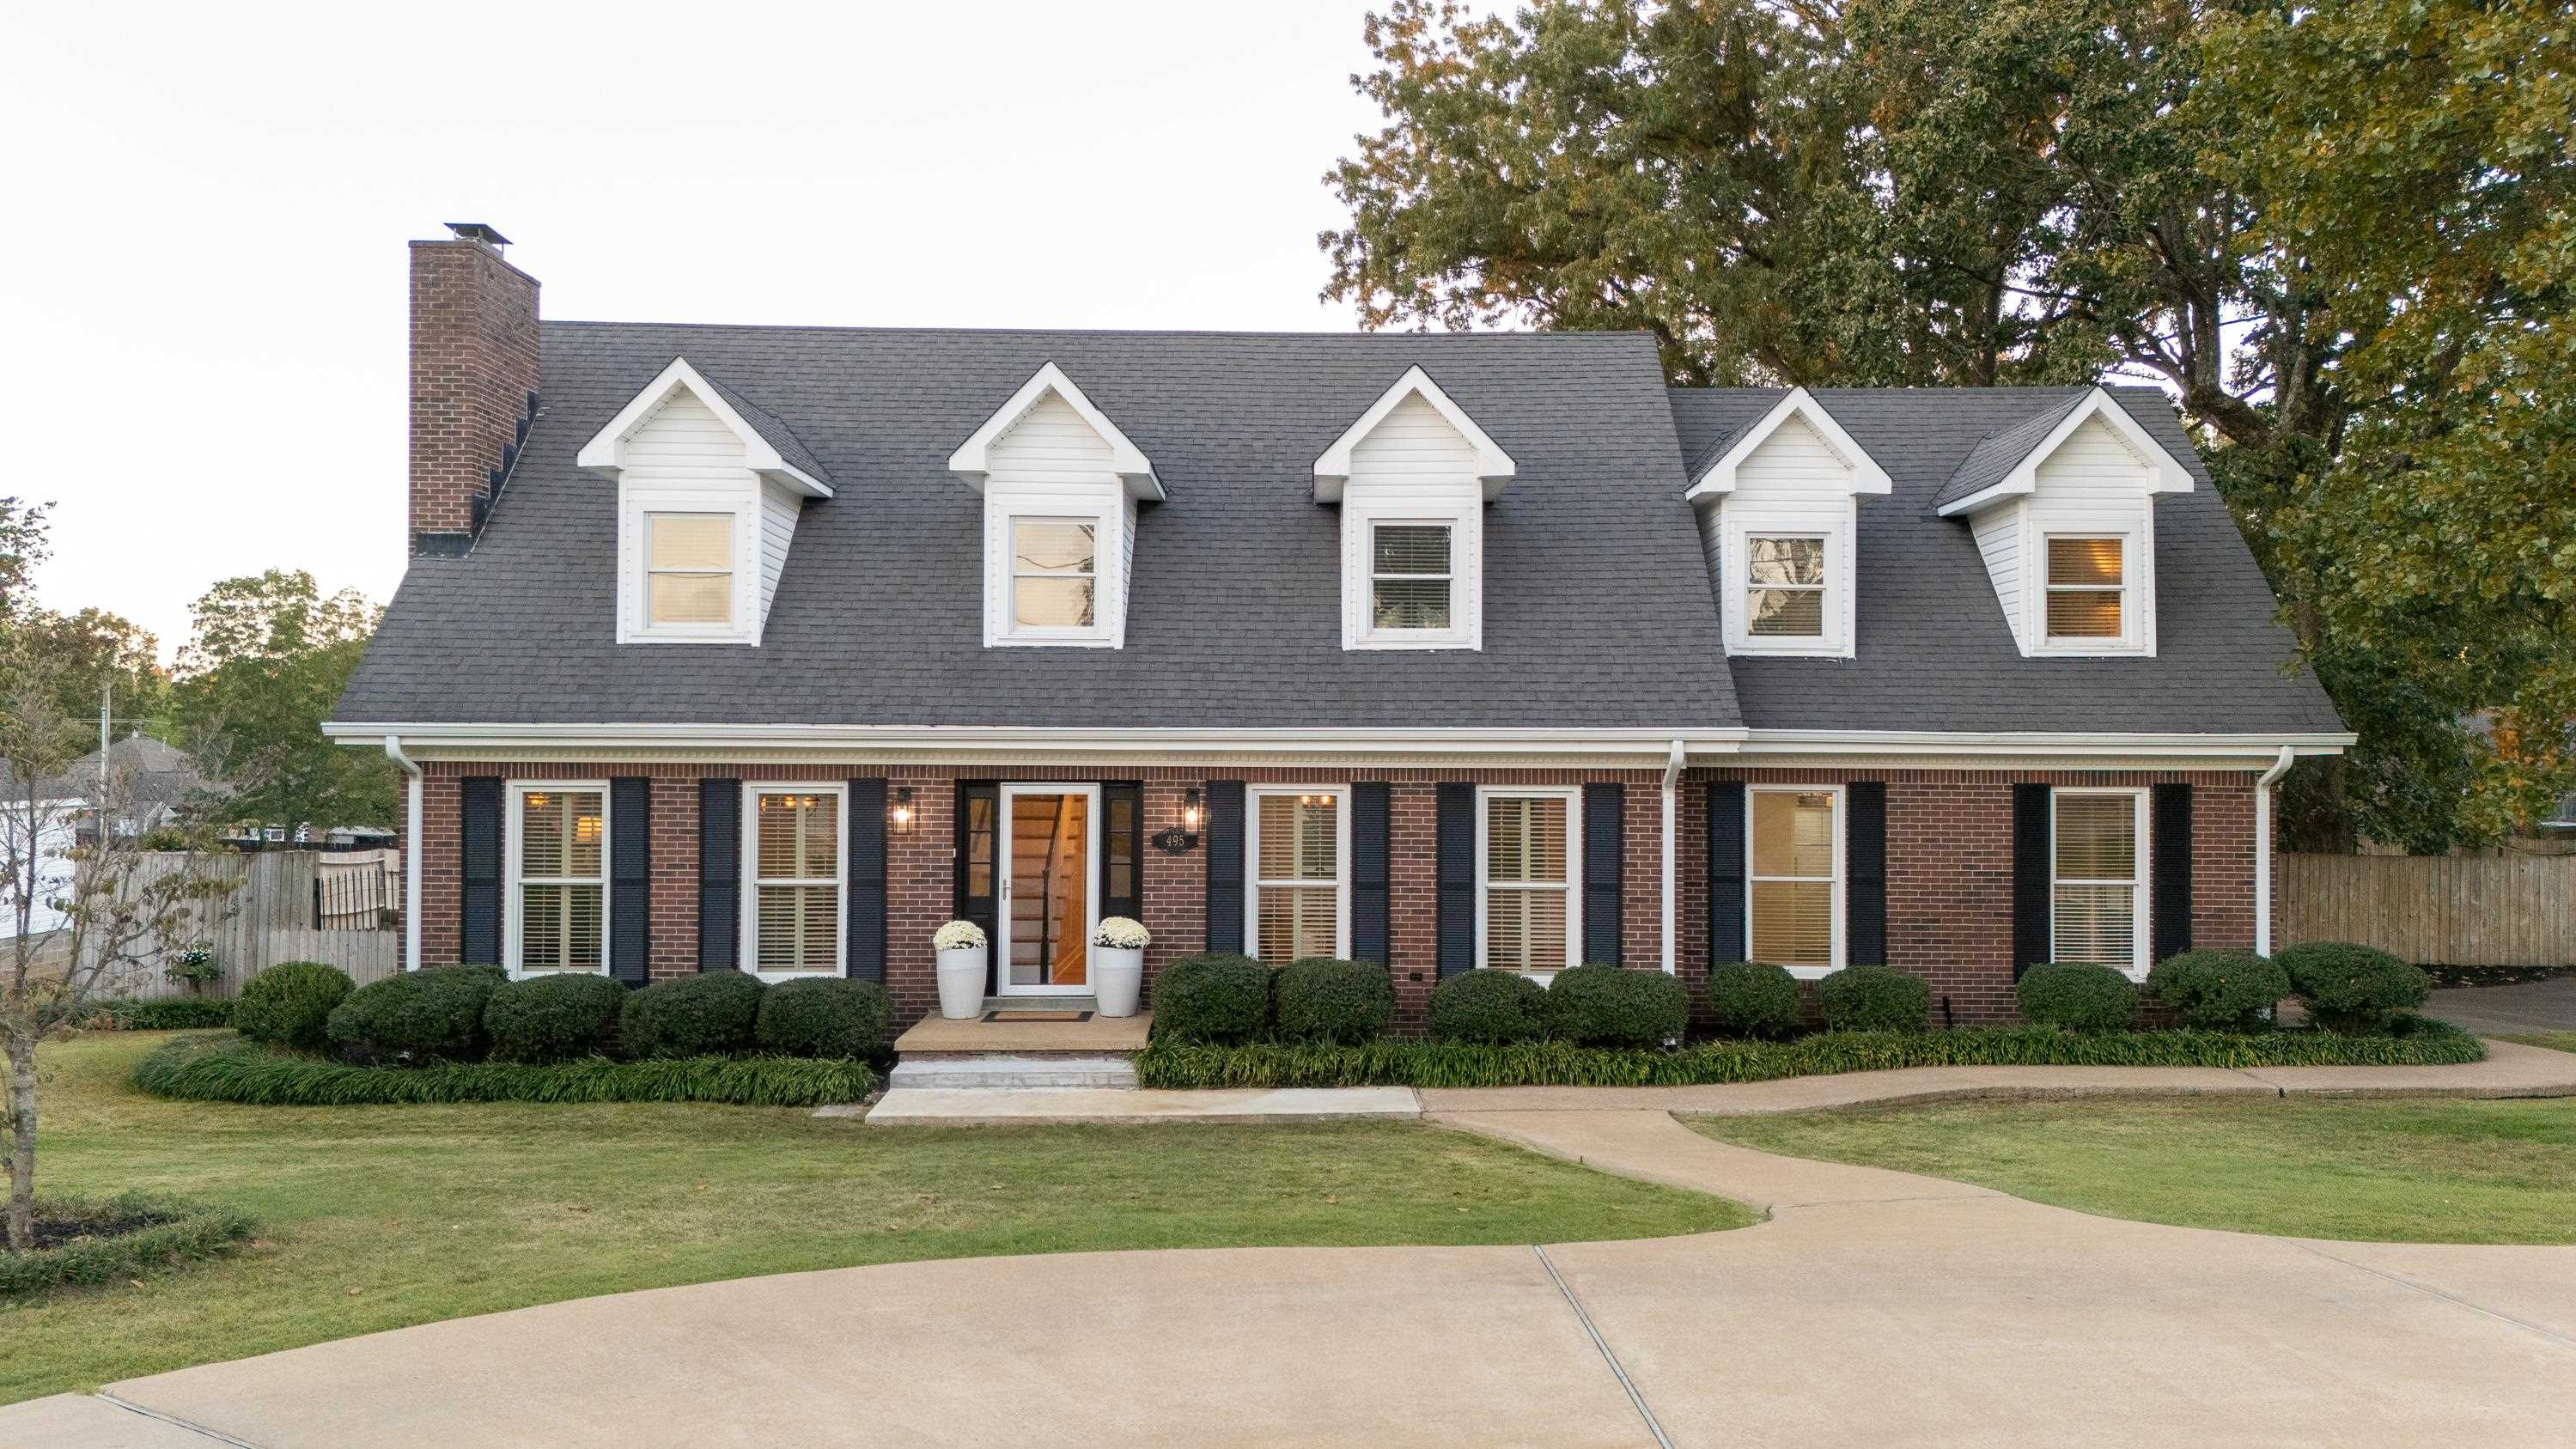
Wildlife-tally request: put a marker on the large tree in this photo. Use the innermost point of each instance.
(267, 659)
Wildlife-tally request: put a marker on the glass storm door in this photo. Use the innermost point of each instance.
(1048, 909)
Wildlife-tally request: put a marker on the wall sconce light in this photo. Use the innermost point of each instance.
(1190, 809)
(1185, 837)
(900, 814)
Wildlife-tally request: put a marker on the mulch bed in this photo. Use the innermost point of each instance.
(2495, 975)
(114, 1222)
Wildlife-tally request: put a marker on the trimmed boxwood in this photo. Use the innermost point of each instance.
(144, 1232)
(1752, 998)
(417, 1016)
(176, 1013)
(2077, 996)
(1489, 1007)
(1604, 1005)
(222, 1069)
(2218, 990)
(290, 1004)
(1212, 998)
(1874, 998)
(2353, 989)
(829, 1016)
(709, 1014)
(1322, 999)
(553, 1018)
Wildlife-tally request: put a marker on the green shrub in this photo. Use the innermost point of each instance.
(1752, 998)
(2353, 989)
(1321, 999)
(709, 1014)
(144, 1232)
(1489, 1007)
(220, 1069)
(1874, 998)
(178, 1013)
(1214, 998)
(417, 1016)
(1603, 1005)
(2218, 990)
(289, 1004)
(553, 1018)
(2077, 996)
(2417, 1041)
(830, 1016)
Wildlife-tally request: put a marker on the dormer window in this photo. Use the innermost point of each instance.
(1054, 574)
(1061, 485)
(1784, 586)
(1409, 577)
(688, 571)
(1413, 476)
(1779, 515)
(2085, 592)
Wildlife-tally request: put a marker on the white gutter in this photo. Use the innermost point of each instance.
(1672, 789)
(2263, 850)
(411, 852)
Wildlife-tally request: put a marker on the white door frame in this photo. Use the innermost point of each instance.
(1002, 883)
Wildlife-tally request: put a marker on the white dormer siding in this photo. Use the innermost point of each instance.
(1061, 484)
(1412, 477)
(1998, 534)
(1779, 516)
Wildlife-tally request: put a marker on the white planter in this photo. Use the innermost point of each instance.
(1117, 978)
(961, 983)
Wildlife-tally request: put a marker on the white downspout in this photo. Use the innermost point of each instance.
(411, 851)
(1672, 778)
(2263, 851)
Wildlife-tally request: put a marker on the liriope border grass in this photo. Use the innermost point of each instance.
(2421, 1041)
(220, 1069)
(181, 1231)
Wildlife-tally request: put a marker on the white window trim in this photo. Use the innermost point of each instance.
(1740, 522)
(749, 951)
(513, 878)
(1572, 795)
(1377, 636)
(2137, 533)
(2139, 924)
(1253, 883)
(1841, 880)
(635, 565)
(1104, 510)
(1462, 512)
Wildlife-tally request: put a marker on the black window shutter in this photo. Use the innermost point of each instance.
(630, 878)
(974, 894)
(1225, 865)
(863, 955)
(2169, 856)
(1371, 811)
(1457, 877)
(1605, 812)
(1865, 856)
(479, 936)
(719, 874)
(2030, 877)
(1122, 850)
(1725, 871)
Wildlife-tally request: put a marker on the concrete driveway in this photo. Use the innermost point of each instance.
(2508, 1010)
(1873, 1307)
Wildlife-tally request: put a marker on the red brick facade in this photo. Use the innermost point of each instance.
(1949, 864)
(473, 365)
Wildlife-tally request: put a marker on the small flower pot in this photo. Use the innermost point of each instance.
(1117, 978)
(961, 982)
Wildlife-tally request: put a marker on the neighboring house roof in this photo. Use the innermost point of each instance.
(1936, 652)
(160, 775)
(1596, 610)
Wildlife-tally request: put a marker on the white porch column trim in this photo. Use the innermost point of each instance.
(411, 851)
(1672, 787)
(2263, 851)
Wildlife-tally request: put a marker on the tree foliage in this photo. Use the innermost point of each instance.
(268, 657)
(2338, 234)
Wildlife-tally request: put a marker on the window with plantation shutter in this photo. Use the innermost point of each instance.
(1300, 851)
(2097, 852)
(558, 877)
(1792, 920)
(1527, 860)
(794, 883)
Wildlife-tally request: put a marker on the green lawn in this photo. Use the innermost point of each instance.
(377, 1217)
(2401, 1171)
(2564, 1041)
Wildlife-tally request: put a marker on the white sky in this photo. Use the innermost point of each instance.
(202, 294)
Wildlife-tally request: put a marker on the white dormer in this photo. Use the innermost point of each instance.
(1779, 515)
(1412, 477)
(2062, 507)
(1061, 483)
(709, 488)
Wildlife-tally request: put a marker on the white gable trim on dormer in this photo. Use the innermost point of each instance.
(1866, 476)
(1494, 467)
(606, 450)
(973, 459)
(2159, 470)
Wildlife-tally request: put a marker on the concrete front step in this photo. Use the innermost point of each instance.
(997, 1071)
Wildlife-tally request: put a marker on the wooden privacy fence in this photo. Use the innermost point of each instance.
(2513, 910)
(285, 910)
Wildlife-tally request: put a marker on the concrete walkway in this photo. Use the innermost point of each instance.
(1872, 1307)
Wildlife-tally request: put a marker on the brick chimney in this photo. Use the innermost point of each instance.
(473, 381)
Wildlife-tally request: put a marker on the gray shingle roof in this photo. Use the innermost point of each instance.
(1999, 452)
(770, 427)
(1597, 609)
(1934, 650)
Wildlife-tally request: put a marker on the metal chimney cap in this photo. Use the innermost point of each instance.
(478, 231)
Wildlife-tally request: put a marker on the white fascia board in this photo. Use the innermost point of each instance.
(605, 452)
(2166, 472)
(1643, 749)
(1867, 476)
(1134, 469)
(1494, 467)
(1935, 742)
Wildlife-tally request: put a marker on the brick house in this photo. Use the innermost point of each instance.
(772, 648)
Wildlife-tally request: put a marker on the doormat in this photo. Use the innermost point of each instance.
(1037, 1016)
